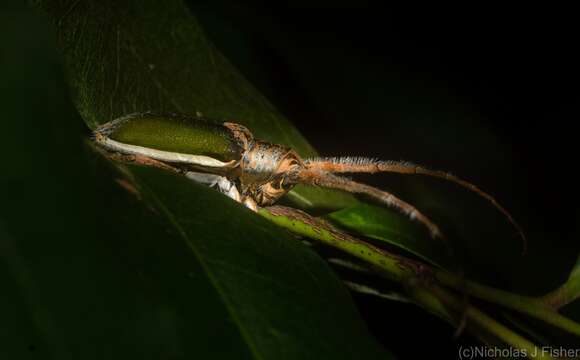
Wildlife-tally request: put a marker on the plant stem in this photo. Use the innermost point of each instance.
(393, 266)
(406, 270)
(567, 292)
(524, 304)
(522, 345)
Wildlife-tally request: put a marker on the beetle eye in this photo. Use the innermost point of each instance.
(280, 184)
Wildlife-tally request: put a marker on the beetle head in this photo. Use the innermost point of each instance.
(268, 171)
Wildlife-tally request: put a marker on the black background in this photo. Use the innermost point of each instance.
(489, 93)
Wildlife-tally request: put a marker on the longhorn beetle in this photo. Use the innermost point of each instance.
(250, 171)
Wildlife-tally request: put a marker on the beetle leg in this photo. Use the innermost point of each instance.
(141, 160)
(250, 204)
(221, 183)
(229, 189)
(325, 179)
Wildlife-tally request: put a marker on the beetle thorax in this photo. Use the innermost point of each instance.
(262, 161)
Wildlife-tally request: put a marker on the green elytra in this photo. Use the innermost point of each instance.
(179, 134)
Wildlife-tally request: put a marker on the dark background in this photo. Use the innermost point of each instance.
(487, 93)
(336, 72)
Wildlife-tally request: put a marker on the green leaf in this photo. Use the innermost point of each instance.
(167, 269)
(138, 56)
(271, 290)
(385, 225)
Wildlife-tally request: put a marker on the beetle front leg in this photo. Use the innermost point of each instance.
(220, 183)
(250, 204)
(224, 186)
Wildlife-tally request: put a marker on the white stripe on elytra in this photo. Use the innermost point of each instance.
(164, 155)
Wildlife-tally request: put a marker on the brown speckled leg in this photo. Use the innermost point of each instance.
(142, 160)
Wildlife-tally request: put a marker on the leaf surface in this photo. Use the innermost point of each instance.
(157, 267)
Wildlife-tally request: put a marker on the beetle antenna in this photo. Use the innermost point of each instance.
(328, 180)
(367, 165)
